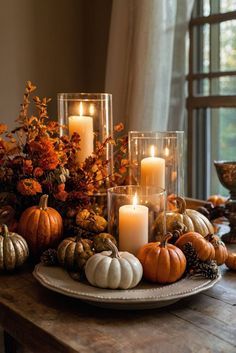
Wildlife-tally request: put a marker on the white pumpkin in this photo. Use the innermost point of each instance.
(113, 269)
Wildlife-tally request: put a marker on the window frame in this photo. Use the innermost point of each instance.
(198, 105)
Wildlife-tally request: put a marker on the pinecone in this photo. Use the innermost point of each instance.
(49, 257)
(208, 269)
(195, 266)
(191, 256)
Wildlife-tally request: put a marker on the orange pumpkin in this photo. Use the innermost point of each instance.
(231, 261)
(162, 262)
(221, 252)
(204, 249)
(217, 200)
(41, 226)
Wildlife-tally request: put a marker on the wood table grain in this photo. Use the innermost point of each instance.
(44, 321)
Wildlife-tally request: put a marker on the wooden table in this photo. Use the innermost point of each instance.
(44, 321)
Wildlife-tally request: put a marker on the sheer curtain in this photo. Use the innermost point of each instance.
(146, 62)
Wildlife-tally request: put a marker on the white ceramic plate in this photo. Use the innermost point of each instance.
(144, 296)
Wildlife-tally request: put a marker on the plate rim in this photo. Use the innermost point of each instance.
(209, 283)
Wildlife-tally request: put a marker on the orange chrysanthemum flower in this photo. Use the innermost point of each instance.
(27, 166)
(43, 150)
(43, 144)
(29, 187)
(61, 194)
(49, 161)
(38, 172)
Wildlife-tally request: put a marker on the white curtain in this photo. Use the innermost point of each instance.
(146, 63)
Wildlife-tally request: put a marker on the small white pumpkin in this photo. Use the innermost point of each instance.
(113, 269)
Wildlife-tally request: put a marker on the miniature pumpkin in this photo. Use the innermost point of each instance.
(100, 241)
(88, 220)
(204, 249)
(231, 261)
(217, 200)
(193, 220)
(13, 250)
(73, 253)
(41, 226)
(113, 269)
(162, 262)
(221, 252)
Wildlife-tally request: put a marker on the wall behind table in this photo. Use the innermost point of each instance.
(60, 45)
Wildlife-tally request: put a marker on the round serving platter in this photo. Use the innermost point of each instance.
(144, 296)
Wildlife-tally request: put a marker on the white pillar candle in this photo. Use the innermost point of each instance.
(133, 227)
(153, 171)
(83, 125)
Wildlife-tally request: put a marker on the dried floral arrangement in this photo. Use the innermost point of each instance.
(35, 159)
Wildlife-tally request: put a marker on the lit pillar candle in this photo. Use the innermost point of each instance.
(133, 227)
(83, 125)
(153, 171)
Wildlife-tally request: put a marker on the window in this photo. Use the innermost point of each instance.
(211, 99)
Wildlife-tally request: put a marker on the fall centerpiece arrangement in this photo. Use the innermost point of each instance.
(183, 251)
(51, 210)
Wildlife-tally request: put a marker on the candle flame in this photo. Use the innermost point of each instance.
(152, 151)
(135, 200)
(81, 110)
(166, 151)
(91, 109)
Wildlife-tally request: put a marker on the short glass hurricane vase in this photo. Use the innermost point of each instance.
(90, 115)
(156, 159)
(132, 215)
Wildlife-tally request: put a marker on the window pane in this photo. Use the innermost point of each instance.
(201, 8)
(223, 142)
(227, 85)
(201, 57)
(201, 87)
(227, 5)
(206, 8)
(228, 45)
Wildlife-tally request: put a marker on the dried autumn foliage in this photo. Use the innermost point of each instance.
(35, 159)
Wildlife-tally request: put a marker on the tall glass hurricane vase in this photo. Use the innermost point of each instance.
(156, 160)
(90, 115)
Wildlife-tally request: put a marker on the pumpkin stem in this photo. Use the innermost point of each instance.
(214, 241)
(165, 239)
(209, 237)
(114, 251)
(5, 231)
(43, 202)
(181, 204)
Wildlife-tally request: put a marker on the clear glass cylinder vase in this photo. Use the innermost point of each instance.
(156, 159)
(90, 115)
(132, 212)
